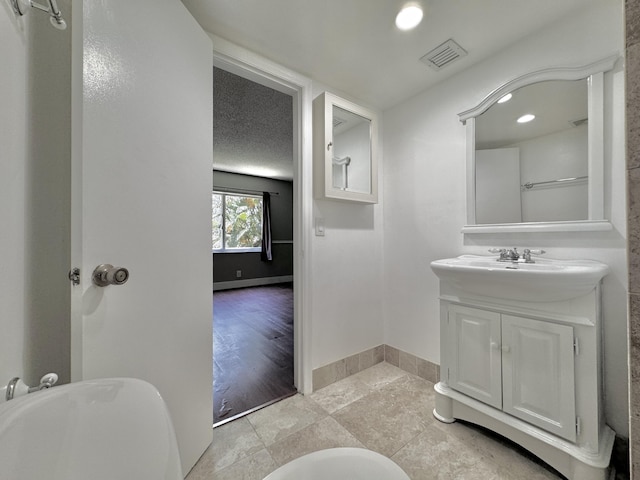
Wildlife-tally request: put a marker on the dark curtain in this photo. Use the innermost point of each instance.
(265, 255)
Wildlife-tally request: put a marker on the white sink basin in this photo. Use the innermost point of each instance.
(115, 428)
(547, 280)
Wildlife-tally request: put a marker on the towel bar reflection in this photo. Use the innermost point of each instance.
(344, 163)
(21, 7)
(530, 185)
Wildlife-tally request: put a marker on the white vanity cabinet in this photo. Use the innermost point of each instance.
(530, 371)
(519, 365)
(475, 368)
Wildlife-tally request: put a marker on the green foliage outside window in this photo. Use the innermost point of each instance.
(216, 226)
(240, 218)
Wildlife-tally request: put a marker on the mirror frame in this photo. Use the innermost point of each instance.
(594, 73)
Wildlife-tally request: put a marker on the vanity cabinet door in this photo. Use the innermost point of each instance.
(475, 368)
(538, 374)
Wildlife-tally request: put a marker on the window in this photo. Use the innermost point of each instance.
(236, 222)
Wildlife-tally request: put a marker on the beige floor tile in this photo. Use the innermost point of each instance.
(519, 472)
(340, 394)
(382, 408)
(466, 433)
(231, 442)
(254, 467)
(512, 460)
(380, 374)
(284, 418)
(434, 455)
(520, 464)
(202, 470)
(388, 418)
(326, 433)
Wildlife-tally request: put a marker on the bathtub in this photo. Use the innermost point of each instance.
(340, 463)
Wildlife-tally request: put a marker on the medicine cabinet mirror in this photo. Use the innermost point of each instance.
(542, 172)
(344, 150)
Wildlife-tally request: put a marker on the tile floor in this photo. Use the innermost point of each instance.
(382, 408)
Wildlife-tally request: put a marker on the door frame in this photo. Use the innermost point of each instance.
(239, 61)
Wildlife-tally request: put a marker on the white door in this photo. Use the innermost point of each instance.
(475, 359)
(142, 139)
(538, 374)
(498, 170)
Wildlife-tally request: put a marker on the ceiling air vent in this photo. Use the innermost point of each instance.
(443, 55)
(577, 123)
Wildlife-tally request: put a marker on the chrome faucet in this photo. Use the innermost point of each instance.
(506, 255)
(528, 252)
(512, 254)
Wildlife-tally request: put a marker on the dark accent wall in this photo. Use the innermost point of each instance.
(225, 265)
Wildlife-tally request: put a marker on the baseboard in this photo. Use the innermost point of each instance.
(345, 367)
(251, 282)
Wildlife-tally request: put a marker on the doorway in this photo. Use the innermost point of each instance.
(253, 349)
(235, 59)
(253, 314)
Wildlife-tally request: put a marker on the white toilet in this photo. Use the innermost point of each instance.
(103, 429)
(119, 428)
(340, 463)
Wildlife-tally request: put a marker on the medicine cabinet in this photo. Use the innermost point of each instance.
(345, 137)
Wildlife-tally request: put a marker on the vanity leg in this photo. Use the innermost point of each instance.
(444, 409)
(582, 471)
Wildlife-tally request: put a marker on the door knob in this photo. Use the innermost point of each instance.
(106, 274)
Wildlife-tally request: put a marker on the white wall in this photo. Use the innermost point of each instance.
(424, 192)
(34, 196)
(559, 155)
(13, 138)
(346, 274)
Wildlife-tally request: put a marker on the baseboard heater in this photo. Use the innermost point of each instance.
(251, 282)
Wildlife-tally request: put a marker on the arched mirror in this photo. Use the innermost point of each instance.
(535, 153)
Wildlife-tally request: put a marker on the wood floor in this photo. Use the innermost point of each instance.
(252, 348)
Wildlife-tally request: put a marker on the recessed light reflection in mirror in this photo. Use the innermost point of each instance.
(526, 118)
(506, 98)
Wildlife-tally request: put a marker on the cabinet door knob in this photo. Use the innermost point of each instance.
(506, 349)
(495, 346)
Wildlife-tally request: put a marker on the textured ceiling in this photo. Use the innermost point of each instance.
(252, 128)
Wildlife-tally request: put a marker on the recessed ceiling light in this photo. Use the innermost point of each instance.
(409, 17)
(506, 98)
(526, 118)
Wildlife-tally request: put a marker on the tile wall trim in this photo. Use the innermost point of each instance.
(340, 369)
